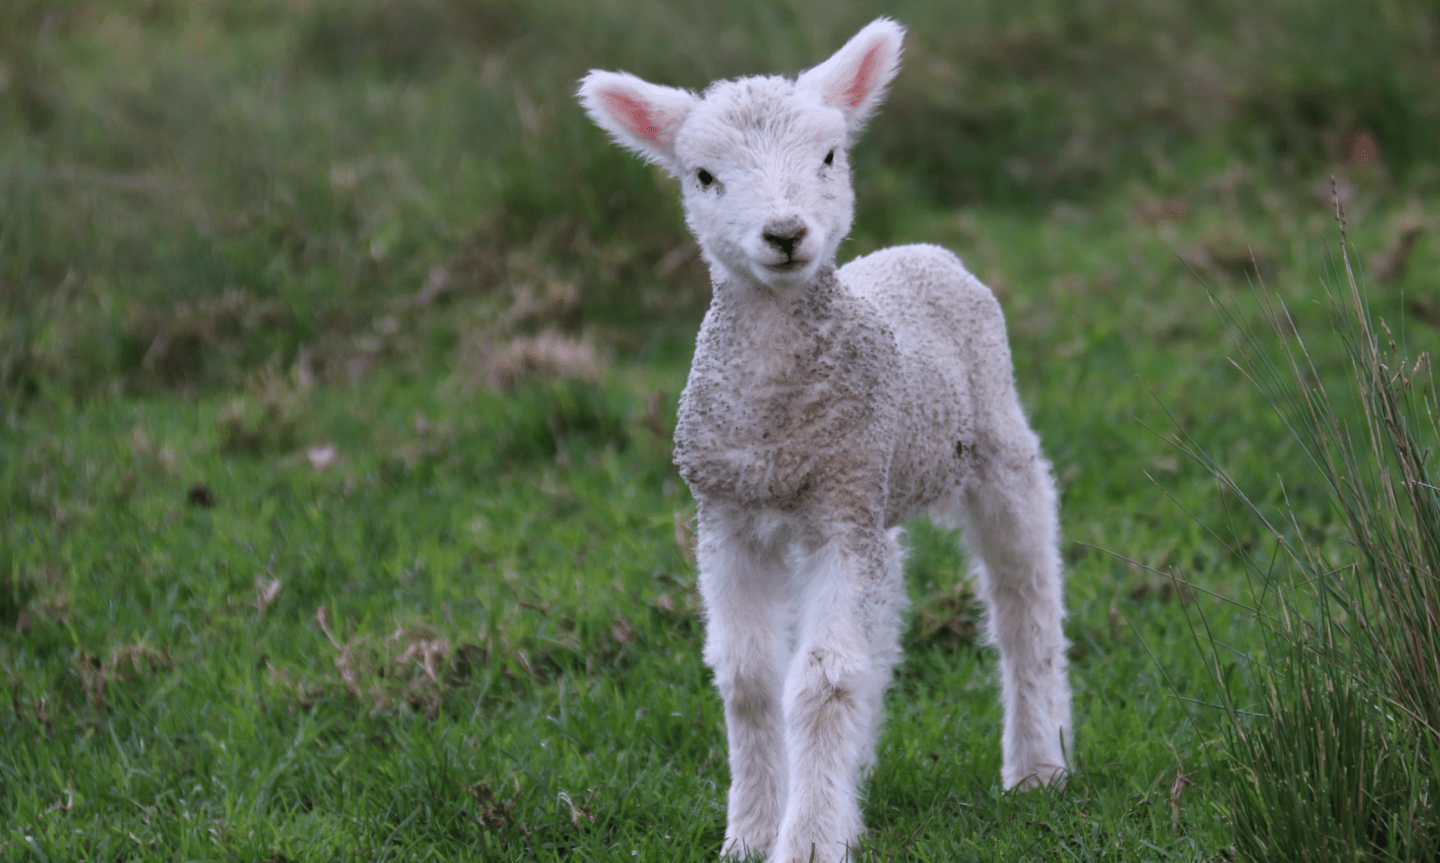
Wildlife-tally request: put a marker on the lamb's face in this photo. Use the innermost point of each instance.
(762, 162)
(765, 179)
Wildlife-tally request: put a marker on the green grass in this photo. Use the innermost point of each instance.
(232, 232)
(1343, 758)
(155, 696)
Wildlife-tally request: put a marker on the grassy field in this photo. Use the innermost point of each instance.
(339, 357)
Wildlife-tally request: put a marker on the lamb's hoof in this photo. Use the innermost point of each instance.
(1035, 777)
(737, 848)
(818, 852)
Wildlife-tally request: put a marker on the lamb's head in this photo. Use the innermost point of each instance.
(763, 163)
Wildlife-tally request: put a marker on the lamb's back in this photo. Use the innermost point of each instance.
(929, 298)
(951, 335)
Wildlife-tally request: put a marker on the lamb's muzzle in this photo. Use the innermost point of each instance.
(824, 407)
(784, 234)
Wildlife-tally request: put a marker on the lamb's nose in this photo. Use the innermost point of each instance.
(785, 234)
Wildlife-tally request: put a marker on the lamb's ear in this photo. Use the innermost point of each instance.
(855, 77)
(639, 115)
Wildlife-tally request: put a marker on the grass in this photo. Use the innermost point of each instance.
(163, 688)
(1341, 762)
(338, 360)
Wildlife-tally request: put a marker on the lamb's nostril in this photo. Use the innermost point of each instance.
(784, 244)
(785, 237)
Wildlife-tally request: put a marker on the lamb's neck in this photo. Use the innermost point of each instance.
(757, 333)
(752, 304)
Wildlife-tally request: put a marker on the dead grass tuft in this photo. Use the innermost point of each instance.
(495, 813)
(152, 457)
(266, 592)
(492, 294)
(948, 619)
(33, 596)
(1152, 211)
(266, 417)
(125, 664)
(550, 355)
(685, 607)
(15, 595)
(414, 667)
(1230, 256)
(578, 812)
(173, 342)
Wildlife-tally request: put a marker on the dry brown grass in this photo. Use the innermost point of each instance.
(266, 416)
(415, 667)
(550, 355)
(176, 341)
(125, 663)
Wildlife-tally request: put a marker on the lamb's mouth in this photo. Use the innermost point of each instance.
(789, 266)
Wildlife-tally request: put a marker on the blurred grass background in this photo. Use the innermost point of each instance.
(188, 189)
(338, 360)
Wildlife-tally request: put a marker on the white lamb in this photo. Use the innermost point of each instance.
(823, 408)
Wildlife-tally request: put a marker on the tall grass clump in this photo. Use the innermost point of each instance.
(1332, 728)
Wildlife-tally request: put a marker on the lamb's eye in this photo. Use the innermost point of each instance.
(830, 158)
(704, 177)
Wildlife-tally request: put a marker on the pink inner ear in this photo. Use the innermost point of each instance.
(863, 84)
(634, 114)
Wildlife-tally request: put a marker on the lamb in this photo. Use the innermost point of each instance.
(824, 407)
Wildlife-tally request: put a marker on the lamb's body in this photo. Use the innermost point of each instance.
(825, 407)
(856, 395)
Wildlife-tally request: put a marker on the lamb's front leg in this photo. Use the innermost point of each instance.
(743, 588)
(848, 642)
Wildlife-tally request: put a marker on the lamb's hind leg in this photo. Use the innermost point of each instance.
(1009, 514)
(742, 583)
(848, 641)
